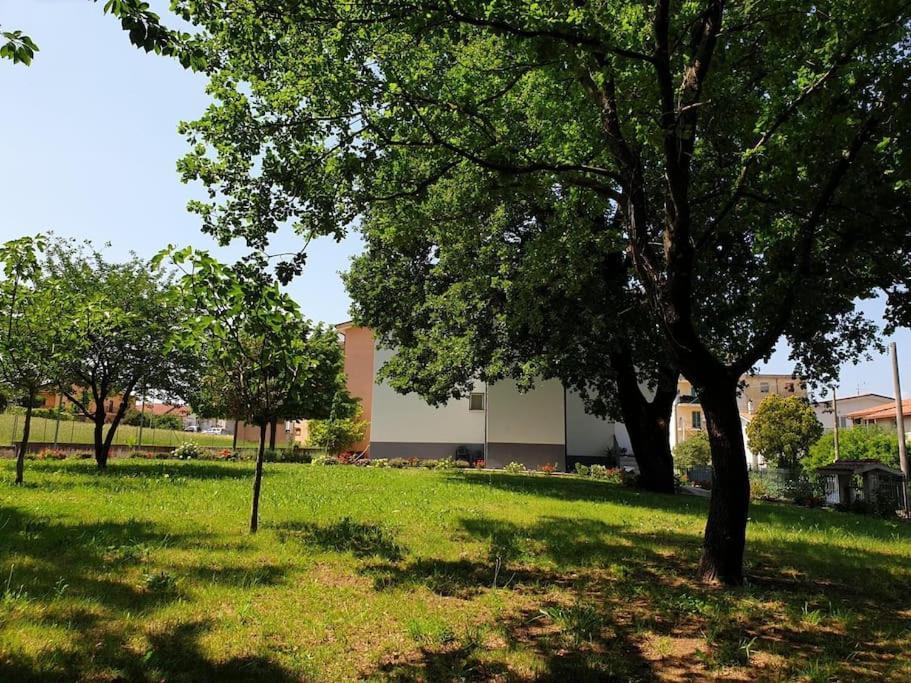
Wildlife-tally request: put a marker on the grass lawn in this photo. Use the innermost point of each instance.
(73, 431)
(147, 573)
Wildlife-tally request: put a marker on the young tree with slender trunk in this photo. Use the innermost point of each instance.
(31, 349)
(261, 357)
(753, 156)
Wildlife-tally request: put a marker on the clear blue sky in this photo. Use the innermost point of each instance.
(88, 145)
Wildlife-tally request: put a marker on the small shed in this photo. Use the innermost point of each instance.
(848, 481)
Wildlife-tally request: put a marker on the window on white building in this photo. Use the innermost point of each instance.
(476, 401)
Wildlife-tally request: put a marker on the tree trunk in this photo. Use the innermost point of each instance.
(101, 453)
(274, 428)
(234, 441)
(23, 447)
(725, 530)
(258, 479)
(647, 423)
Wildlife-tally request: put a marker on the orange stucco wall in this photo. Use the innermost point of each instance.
(359, 371)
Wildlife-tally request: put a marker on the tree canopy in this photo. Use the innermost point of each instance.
(783, 429)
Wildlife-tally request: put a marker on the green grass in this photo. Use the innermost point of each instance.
(73, 431)
(147, 573)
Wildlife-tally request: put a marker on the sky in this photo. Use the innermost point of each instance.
(89, 145)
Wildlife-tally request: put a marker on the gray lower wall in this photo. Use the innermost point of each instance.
(529, 454)
(424, 451)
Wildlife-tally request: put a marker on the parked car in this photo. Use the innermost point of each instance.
(191, 428)
(212, 430)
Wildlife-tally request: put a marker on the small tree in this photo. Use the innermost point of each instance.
(123, 315)
(31, 351)
(263, 360)
(783, 429)
(856, 443)
(693, 452)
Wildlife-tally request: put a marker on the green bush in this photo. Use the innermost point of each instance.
(583, 470)
(399, 463)
(336, 435)
(693, 452)
(461, 464)
(598, 471)
(783, 429)
(855, 443)
(324, 459)
(380, 462)
(515, 468)
(52, 414)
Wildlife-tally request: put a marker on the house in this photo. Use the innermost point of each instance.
(825, 412)
(850, 481)
(687, 418)
(51, 400)
(496, 422)
(883, 415)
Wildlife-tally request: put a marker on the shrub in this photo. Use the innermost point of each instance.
(336, 435)
(461, 464)
(429, 463)
(380, 462)
(759, 489)
(583, 470)
(226, 454)
(324, 459)
(398, 463)
(598, 471)
(445, 464)
(515, 467)
(188, 451)
(51, 454)
(172, 422)
(692, 452)
(480, 464)
(807, 490)
(858, 443)
(84, 455)
(143, 455)
(52, 414)
(629, 478)
(547, 467)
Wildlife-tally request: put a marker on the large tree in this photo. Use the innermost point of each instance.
(481, 281)
(124, 315)
(782, 430)
(754, 156)
(262, 357)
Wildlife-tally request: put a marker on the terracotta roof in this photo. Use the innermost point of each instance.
(828, 401)
(883, 411)
(165, 409)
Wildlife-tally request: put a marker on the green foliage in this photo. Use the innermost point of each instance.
(582, 470)
(855, 443)
(695, 451)
(783, 429)
(337, 434)
(515, 468)
(18, 47)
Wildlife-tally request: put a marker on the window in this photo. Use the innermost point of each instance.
(789, 387)
(763, 387)
(476, 402)
(842, 422)
(697, 420)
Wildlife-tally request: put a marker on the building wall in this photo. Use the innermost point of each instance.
(526, 427)
(405, 426)
(360, 370)
(586, 435)
(849, 404)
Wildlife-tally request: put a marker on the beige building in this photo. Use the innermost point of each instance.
(687, 418)
(848, 405)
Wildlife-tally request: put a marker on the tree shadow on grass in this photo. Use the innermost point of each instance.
(362, 539)
(188, 469)
(175, 655)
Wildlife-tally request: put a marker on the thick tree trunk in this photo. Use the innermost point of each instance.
(725, 530)
(23, 447)
(258, 479)
(273, 429)
(648, 423)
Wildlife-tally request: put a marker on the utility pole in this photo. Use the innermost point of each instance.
(835, 412)
(900, 424)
